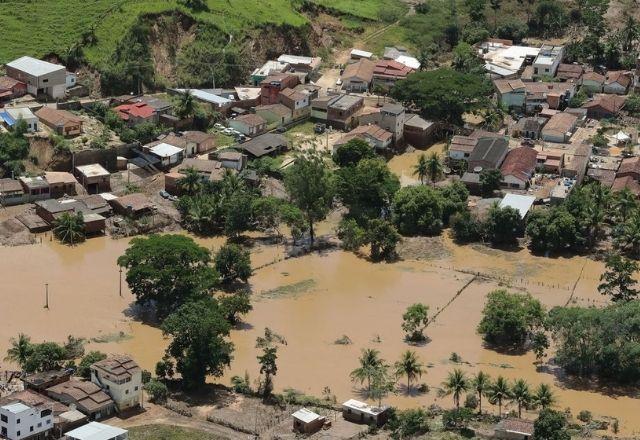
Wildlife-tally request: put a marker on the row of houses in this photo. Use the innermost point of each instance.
(60, 122)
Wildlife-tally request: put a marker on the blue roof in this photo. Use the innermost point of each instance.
(6, 117)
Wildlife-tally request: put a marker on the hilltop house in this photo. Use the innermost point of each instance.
(41, 77)
(10, 117)
(269, 68)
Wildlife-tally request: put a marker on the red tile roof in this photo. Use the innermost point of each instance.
(609, 103)
(391, 69)
(138, 110)
(621, 183)
(520, 163)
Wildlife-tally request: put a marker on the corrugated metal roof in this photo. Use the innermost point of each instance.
(34, 66)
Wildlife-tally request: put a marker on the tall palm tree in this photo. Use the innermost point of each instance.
(420, 169)
(434, 167)
(481, 384)
(456, 384)
(191, 182)
(409, 365)
(69, 228)
(186, 105)
(624, 203)
(543, 396)
(370, 362)
(20, 350)
(499, 392)
(521, 394)
(627, 234)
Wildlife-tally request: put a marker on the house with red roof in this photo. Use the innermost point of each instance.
(387, 72)
(518, 167)
(136, 113)
(11, 88)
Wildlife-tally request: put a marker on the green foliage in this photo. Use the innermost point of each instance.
(241, 385)
(69, 228)
(158, 391)
(369, 363)
(509, 319)
(632, 105)
(418, 210)
(234, 305)
(549, 18)
(414, 321)
(579, 99)
(20, 350)
(165, 368)
(543, 396)
(352, 152)
(443, 94)
(14, 148)
(503, 225)
(465, 59)
(618, 280)
(144, 133)
(454, 200)
(599, 140)
(465, 227)
(89, 359)
(457, 418)
(352, 235)
(490, 181)
(167, 271)
(45, 357)
(233, 263)
(553, 229)
(408, 423)
(521, 395)
(383, 238)
(551, 425)
(456, 385)
(197, 330)
(539, 344)
(498, 392)
(513, 29)
(602, 341)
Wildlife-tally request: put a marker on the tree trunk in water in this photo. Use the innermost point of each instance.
(311, 234)
(480, 402)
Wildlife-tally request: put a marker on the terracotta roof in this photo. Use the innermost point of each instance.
(200, 165)
(197, 136)
(6, 82)
(610, 103)
(391, 69)
(520, 163)
(117, 367)
(137, 202)
(57, 117)
(629, 165)
(545, 88)
(251, 119)
(10, 185)
(629, 182)
(605, 177)
(560, 123)
(619, 76)
(276, 77)
(35, 400)
(570, 70)
(373, 131)
(465, 144)
(508, 85)
(362, 70)
(520, 426)
(86, 394)
(593, 76)
(138, 109)
(293, 94)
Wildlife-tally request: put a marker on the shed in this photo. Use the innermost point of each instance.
(97, 431)
(133, 205)
(519, 202)
(167, 153)
(360, 412)
(514, 429)
(266, 144)
(306, 421)
(94, 177)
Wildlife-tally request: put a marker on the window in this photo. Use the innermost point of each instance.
(31, 429)
(126, 391)
(40, 425)
(18, 433)
(18, 421)
(4, 418)
(45, 80)
(136, 389)
(48, 421)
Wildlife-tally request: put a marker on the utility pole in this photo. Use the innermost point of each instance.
(120, 281)
(46, 295)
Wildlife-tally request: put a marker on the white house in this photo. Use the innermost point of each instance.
(41, 77)
(121, 378)
(360, 412)
(10, 116)
(97, 431)
(547, 61)
(18, 421)
(168, 154)
(71, 80)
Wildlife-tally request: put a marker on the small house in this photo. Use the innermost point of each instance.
(94, 178)
(35, 188)
(61, 183)
(418, 132)
(341, 112)
(377, 137)
(269, 68)
(11, 88)
(529, 127)
(360, 412)
(97, 431)
(357, 76)
(11, 192)
(592, 82)
(232, 160)
(387, 72)
(10, 116)
(295, 101)
(268, 144)
(461, 147)
(559, 128)
(359, 54)
(617, 82)
(203, 141)
(488, 154)
(249, 124)
(520, 203)
(61, 122)
(604, 106)
(301, 64)
(514, 429)
(306, 421)
(519, 167)
(19, 421)
(511, 92)
(87, 397)
(41, 77)
(136, 113)
(134, 205)
(568, 72)
(168, 154)
(272, 85)
(274, 114)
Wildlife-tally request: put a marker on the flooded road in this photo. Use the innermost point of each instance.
(312, 301)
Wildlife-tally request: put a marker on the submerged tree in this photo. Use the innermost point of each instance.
(618, 280)
(370, 362)
(456, 384)
(69, 228)
(481, 384)
(414, 321)
(410, 366)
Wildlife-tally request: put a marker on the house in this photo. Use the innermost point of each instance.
(518, 167)
(357, 76)
(268, 68)
(576, 165)
(629, 167)
(134, 205)
(568, 72)
(274, 114)
(559, 128)
(9, 116)
(377, 137)
(70, 79)
(61, 183)
(511, 92)
(617, 82)
(360, 412)
(301, 64)
(11, 192)
(604, 106)
(472, 182)
(201, 141)
(358, 54)
(265, 144)
(97, 431)
(418, 132)
(529, 127)
(306, 421)
(295, 101)
(19, 421)
(211, 97)
(627, 182)
(11, 88)
(320, 106)
(505, 60)
(168, 154)
(35, 188)
(550, 161)
(249, 124)
(248, 97)
(272, 85)
(120, 376)
(232, 160)
(514, 429)
(392, 119)
(136, 113)
(310, 90)
(461, 147)
(605, 177)
(40, 381)
(41, 77)
(547, 61)
(51, 210)
(488, 154)
(341, 111)
(387, 72)
(592, 82)
(61, 122)
(87, 397)
(551, 94)
(94, 178)
(520, 203)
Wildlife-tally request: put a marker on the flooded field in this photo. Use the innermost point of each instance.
(403, 165)
(312, 301)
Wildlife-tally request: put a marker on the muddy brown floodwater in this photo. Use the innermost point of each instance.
(312, 301)
(403, 165)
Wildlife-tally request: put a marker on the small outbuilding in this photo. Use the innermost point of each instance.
(519, 202)
(514, 429)
(306, 421)
(360, 412)
(94, 178)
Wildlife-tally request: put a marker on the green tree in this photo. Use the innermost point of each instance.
(495, 5)
(21, 349)
(509, 319)
(521, 395)
(421, 169)
(69, 228)
(418, 210)
(352, 235)
(382, 238)
(352, 152)
(434, 167)
(198, 330)
(232, 306)
(456, 385)
(84, 367)
(490, 181)
(309, 184)
(543, 396)
(382, 383)
(624, 202)
(481, 384)
(409, 423)
(269, 368)
(233, 263)
(618, 280)
(414, 322)
(45, 357)
(465, 227)
(191, 183)
(410, 366)
(185, 105)
(369, 363)
(455, 197)
(167, 271)
(503, 225)
(157, 391)
(626, 235)
(551, 425)
(499, 392)
(539, 344)
(552, 230)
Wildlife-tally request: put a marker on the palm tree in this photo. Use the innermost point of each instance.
(434, 167)
(498, 392)
(456, 384)
(521, 394)
(481, 384)
(624, 203)
(69, 228)
(370, 362)
(191, 182)
(627, 235)
(420, 169)
(543, 396)
(409, 365)
(20, 350)
(186, 105)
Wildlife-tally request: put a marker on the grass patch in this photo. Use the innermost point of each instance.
(165, 432)
(111, 337)
(223, 140)
(290, 289)
(368, 9)
(305, 128)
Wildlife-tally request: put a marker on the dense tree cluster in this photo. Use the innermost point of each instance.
(14, 148)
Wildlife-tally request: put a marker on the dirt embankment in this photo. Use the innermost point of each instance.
(168, 34)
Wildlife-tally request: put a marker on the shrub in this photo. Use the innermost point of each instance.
(408, 423)
(585, 416)
(457, 418)
(418, 210)
(157, 391)
(471, 401)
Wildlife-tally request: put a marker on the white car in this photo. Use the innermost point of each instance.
(228, 131)
(218, 126)
(339, 82)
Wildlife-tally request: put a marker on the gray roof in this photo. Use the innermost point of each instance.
(264, 144)
(34, 66)
(470, 177)
(345, 102)
(491, 150)
(418, 122)
(394, 109)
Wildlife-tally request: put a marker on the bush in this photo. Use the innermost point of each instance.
(158, 391)
(408, 423)
(89, 359)
(418, 210)
(465, 227)
(232, 263)
(503, 225)
(457, 418)
(241, 385)
(585, 416)
(353, 236)
(471, 401)
(146, 376)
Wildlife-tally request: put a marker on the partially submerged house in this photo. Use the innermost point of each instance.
(134, 205)
(11, 192)
(35, 188)
(461, 147)
(418, 132)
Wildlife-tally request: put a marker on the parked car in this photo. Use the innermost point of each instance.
(319, 128)
(218, 126)
(281, 129)
(164, 194)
